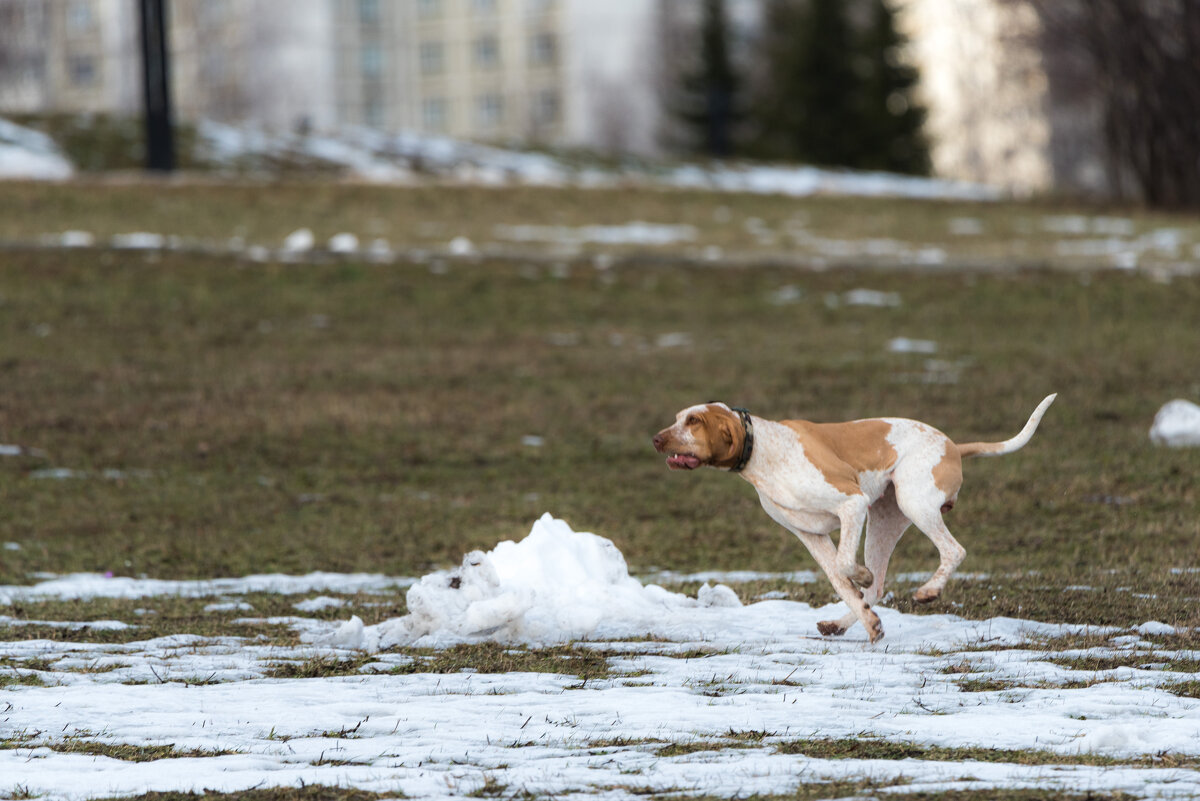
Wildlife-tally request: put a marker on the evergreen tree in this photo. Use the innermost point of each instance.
(836, 96)
(891, 118)
(708, 105)
(810, 110)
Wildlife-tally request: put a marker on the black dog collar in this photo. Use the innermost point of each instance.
(747, 442)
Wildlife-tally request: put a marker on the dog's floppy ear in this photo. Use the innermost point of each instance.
(724, 438)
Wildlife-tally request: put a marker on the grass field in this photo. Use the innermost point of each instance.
(192, 413)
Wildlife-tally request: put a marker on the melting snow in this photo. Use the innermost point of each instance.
(906, 345)
(1177, 424)
(755, 668)
(25, 153)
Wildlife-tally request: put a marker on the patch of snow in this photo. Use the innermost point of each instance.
(343, 243)
(870, 297)
(784, 295)
(11, 450)
(1177, 424)
(80, 586)
(299, 241)
(906, 345)
(675, 339)
(533, 441)
(632, 233)
(229, 606)
(1065, 224)
(704, 673)
(461, 246)
(76, 239)
(139, 240)
(1153, 627)
(806, 181)
(318, 603)
(57, 473)
(12, 546)
(27, 154)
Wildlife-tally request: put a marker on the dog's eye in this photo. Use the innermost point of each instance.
(692, 420)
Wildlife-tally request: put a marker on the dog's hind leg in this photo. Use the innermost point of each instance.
(929, 520)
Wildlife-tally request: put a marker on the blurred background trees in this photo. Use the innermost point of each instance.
(827, 84)
(1141, 61)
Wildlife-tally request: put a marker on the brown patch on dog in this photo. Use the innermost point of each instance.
(830, 628)
(841, 451)
(947, 474)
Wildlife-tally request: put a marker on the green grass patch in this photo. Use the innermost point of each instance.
(1187, 689)
(1142, 661)
(486, 657)
(871, 748)
(14, 679)
(165, 615)
(812, 791)
(356, 417)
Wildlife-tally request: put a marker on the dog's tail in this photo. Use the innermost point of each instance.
(1009, 445)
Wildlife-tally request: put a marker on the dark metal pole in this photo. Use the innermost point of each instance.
(156, 82)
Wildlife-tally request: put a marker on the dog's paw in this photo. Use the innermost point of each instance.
(926, 595)
(873, 626)
(862, 577)
(831, 628)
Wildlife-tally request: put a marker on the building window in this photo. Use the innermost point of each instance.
(371, 61)
(368, 13)
(546, 107)
(432, 57)
(428, 9)
(484, 7)
(434, 116)
(487, 51)
(537, 8)
(82, 70)
(543, 49)
(489, 111)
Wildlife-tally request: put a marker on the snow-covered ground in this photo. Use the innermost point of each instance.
(376, 156)
(28, 154)
(729, 681)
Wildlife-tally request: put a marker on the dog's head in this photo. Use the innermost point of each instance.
(709, 434)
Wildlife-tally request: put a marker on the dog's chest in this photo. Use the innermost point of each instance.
(812, 521)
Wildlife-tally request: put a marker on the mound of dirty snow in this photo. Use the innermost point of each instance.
(555, 585)
(26, 153)
(1177, 424)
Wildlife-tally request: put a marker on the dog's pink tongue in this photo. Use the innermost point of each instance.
(683, 461)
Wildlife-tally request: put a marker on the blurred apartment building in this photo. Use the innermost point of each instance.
(575, 72)
(585, 73)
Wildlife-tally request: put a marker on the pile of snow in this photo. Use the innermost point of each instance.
(1177, 424)
(25, 153)
(556, 585)
(632, 233)
(805, 181)
(396, 157)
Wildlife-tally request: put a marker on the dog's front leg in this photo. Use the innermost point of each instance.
(822, 550)
(853, 516)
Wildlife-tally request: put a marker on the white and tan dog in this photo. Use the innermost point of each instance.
(815, 478)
